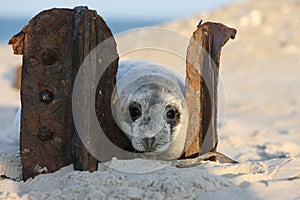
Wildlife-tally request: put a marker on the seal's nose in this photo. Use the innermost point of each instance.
(149, 142)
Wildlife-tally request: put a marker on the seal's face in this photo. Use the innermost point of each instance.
(149, 106)
(155, 115)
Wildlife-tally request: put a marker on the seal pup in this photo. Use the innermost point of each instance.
(149, 106)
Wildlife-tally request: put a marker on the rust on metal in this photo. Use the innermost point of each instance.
(53, 45)
(202, 75)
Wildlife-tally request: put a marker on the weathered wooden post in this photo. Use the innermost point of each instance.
(202, 76)
(54, 44)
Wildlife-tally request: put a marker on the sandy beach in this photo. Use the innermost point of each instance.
(260, 109)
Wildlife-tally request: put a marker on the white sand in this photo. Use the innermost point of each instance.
(260, 70)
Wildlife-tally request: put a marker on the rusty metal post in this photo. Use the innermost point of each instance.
(202, 76)
(53, 45)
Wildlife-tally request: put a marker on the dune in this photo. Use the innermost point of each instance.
(260, 126)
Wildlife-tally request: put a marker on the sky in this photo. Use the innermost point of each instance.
(120, 15)
(116, 9)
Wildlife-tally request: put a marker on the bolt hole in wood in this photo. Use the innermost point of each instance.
(46, 96)
(49, 56)
(45, 134)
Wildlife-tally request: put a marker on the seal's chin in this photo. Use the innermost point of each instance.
(154, 150)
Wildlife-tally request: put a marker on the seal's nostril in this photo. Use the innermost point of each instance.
(149, 141)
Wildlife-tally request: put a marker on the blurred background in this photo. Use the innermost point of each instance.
(119, 15)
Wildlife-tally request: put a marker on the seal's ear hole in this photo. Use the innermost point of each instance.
(135, 110)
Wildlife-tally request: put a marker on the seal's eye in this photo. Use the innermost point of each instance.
(135, 110)
(173, 115)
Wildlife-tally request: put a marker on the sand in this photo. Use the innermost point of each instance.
(260, 74)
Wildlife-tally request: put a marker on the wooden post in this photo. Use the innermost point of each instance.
(202, 76)
(54, 45)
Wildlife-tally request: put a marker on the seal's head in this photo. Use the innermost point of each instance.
(151, 111)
